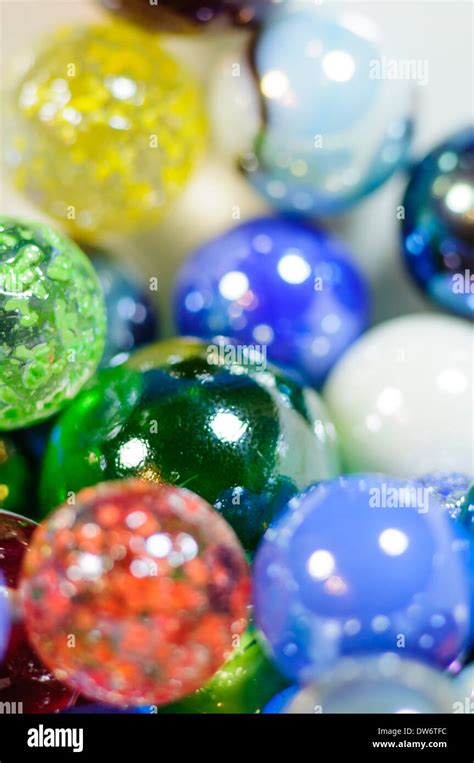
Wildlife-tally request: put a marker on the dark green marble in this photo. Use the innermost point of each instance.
(243, 437)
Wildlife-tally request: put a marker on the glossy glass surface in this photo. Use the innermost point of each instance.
(401, 397)
(280, 701)
(438, 228)
(52, 321)
(240, 434)
(188, 15)
(243, 685)
(104, 129)
(15, 487)
(25, 682)
(151, 582)
(331, 124)
(281, 285)
(383, 684)
(132, 320)
(357, 565)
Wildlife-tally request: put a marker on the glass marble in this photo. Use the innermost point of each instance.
(243, 685)
(211, 417)
(279, 702)
(52, 322)
(23, 677)
(15, 485)
(386, 683)
(312, 117)
(4, 618)
(438, 228)
(287, 287)
(455, 492)
(103, 129)
(321, 595)
(151, 581)
(188, 15)
(401, 397)
(132, 319)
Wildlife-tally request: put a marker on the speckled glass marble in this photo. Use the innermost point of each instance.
(311, 113)
(4, 617)
(132, 319)
(104, 129)
(243, 685)
(210, 417)
(401, 397)
(320, 594)
(25, 682)
(188, 15)
(282, 285)
(15, 485)
(438, 226)
(386, 683)
(52, 321)
(151, 582)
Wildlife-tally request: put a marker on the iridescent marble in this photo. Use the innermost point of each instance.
(386, 683)
(15, 485)
(288, 288)
(321, 594)
(103, 129)
(4, 617)
(211, 417)
(189, 15)
(25, 683)
(315, 119)
(243, 685)
(438, 227)
(401, 397)
(151, 582)
(132, 320)
(52, 322)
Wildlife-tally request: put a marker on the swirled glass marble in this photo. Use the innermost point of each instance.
(132, 320)
(210, 417)
(104, 129)
(25, 683)
(188, 15)
(384, 391)
(151, 582)
(335, 125)
(4, 618)
(52, 322)
(319, 596)
(386, 683)
(243, 684)
(438, 227)
(14, 478)
(284, 286)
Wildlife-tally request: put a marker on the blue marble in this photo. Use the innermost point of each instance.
(131, 317)
(4, 617)
(280, 701)
(361, 564)
(336, 125)
(438, 229)
(455, 492)
(280, 284)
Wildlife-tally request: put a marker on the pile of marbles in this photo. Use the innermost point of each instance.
(272, 511)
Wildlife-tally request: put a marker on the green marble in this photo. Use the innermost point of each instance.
(242, 435)
(245, 684)
(52, 322)
(15, 485)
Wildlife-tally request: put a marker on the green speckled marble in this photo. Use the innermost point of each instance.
(244, 437)
(52, 322)
(15, 485)
(245, 684)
